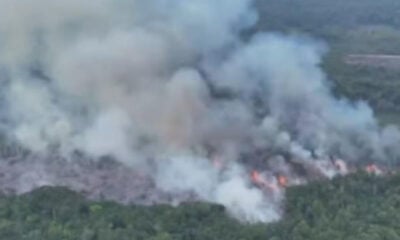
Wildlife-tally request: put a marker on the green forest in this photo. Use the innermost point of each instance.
(360, 206)
(348, 27)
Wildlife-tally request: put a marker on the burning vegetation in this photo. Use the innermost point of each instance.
(153, 101)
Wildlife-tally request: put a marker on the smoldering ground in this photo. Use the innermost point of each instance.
(172, 93)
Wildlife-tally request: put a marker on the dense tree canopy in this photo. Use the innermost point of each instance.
(348, 27)
(360, 206)
(354, 207)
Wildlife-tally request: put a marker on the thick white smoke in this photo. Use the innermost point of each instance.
(171, 90)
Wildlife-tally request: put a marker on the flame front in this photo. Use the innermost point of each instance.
(258, 179)
(373, 169)
(283, 181)
(255, 177)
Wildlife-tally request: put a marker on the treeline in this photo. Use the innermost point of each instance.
(60, 214)
(349, 27)
(356, 207)
(379, 86)
(359, 206)
(323, 17)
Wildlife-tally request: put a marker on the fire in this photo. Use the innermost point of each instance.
(283, 181)
(341, 166)
(373, 169)
(261, 181)
(255, 177)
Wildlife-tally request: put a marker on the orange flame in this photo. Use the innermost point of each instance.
(283, 181)
(262, 182)
(255, 177)
(373, 169)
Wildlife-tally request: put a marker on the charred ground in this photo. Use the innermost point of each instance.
(354, 207)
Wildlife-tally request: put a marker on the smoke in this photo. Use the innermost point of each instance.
(171, 91)
(229, 187)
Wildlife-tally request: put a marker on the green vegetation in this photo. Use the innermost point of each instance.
(355, 207)
(326, 18)
(349, 27)
(360, 206)
(57, 213)
(379, 86)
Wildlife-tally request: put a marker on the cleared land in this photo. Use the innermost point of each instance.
(374, 60)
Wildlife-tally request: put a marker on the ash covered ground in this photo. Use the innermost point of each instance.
(184, 105)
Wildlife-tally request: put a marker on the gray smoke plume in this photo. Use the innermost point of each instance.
(151, 101)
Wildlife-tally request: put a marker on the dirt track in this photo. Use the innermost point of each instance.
(374, 60)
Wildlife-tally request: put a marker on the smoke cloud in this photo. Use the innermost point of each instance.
(152, 101)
